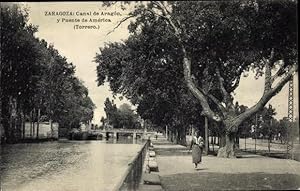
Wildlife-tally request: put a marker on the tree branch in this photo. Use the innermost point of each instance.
(151, 11)
(268, 84)
(122, 21)
(205, 91)
(210, 85)
(268, 71)
(164, 6)
(167, 16)
(227, 98)
(206, 82)
(278, 73)
(236, 84)
(186, 63)
(284, 80)
(187, 74)
(221, 80)
(266, 96)
(218, 103)
(199, 95)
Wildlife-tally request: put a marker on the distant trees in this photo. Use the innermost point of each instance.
(36, 82)
(127, 118)
(288, 130)
(111, 110)
(264, 125)
(122, 117)
(267, 126)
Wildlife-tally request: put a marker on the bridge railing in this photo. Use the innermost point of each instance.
(119, 130)
(130, 130)
(132, 176)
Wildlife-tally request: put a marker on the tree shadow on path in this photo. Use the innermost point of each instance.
(225, 181)
(172, 151)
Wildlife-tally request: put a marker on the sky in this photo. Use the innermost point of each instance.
(80, 46)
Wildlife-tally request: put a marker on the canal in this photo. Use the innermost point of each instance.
(65, 165)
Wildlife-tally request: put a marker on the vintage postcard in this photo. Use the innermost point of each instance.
(149, 95)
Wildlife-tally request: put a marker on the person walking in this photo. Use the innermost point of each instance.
(197, 144)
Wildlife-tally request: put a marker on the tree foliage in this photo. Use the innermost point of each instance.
(37, 83)
(203, 49)
(127, 118)
(122, 117)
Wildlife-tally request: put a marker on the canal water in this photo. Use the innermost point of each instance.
(65, 165)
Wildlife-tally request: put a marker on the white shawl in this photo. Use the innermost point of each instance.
(198, 140)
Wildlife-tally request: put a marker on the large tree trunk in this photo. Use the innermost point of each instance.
(227, 141)
(222, 140)
(227, 150)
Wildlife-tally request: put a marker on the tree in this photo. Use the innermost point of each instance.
(160, 96)
(215, 43)
(288, 130)
(19, 67)
(102, 120)
(127, 117)
(266, 122)
(110, 109)
(36, 82)
(122, 117)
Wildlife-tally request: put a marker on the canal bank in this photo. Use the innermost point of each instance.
(132, 177)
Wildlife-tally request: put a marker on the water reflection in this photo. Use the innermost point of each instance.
(66, 165)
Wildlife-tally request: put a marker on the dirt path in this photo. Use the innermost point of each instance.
(250, 172)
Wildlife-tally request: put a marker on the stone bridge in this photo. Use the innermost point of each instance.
(116, 132)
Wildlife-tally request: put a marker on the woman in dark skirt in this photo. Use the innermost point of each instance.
(197, 148)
